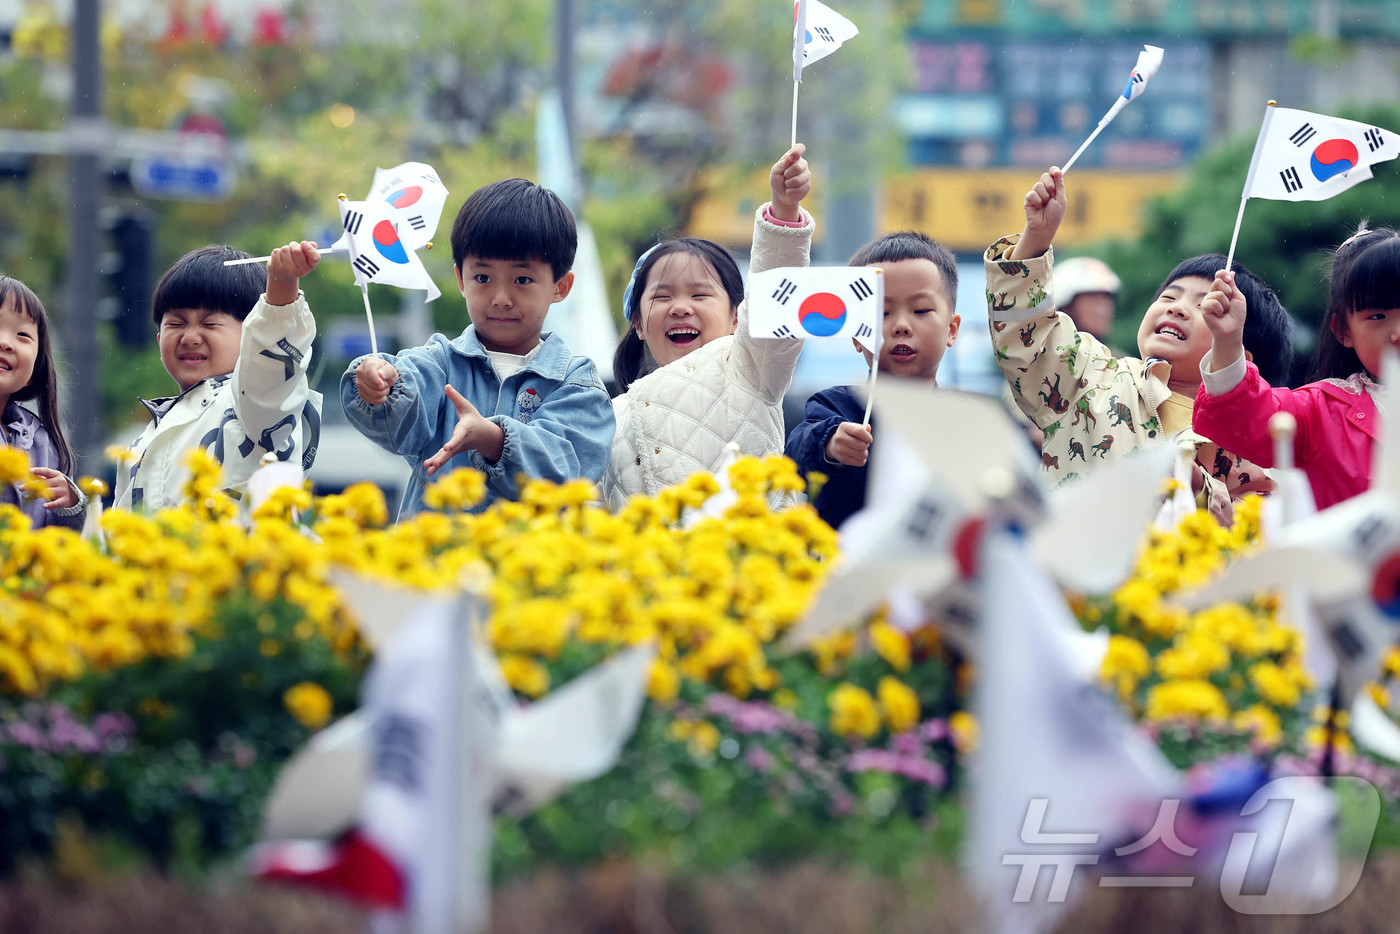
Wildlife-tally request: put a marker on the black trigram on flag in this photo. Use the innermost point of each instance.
(825, 34)
(1291, 182)
(396, 181)
(862, 290)
(353, 219)
(1347, 641)
(863, 331)
(784, 291)
(785, 331)
(1374, 139)
(417, 222)
(1302, 134)
(923, 520)
(366, 265)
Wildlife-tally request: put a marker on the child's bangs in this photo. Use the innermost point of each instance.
(23, 298)
(1373, 281)
(683, 267)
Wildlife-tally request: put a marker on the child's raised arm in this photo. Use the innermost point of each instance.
(1224, 310)
(1045, 209)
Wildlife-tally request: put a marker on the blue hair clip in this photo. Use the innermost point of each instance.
(632, 283)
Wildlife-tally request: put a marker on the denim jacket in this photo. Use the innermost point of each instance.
(555, 412)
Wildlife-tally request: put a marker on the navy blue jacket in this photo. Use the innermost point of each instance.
(844, 492)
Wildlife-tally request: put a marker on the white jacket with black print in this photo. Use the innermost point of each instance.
(264, 406)
(677, 420)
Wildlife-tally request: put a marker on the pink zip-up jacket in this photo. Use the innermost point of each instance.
(1338, 425)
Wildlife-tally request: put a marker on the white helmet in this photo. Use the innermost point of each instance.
(1080, 274)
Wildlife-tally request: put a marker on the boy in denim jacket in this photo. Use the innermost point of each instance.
(502, 398)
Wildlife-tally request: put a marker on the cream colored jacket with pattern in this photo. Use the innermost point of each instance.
(676, 421)
(1092, 406)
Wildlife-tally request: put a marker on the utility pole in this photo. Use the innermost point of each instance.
(87, 131)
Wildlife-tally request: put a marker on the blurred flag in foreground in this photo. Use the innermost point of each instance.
(817, 301)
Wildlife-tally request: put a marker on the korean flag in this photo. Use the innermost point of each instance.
(377, 249)
(841, 302)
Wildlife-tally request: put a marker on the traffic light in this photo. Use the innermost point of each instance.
(131, 275)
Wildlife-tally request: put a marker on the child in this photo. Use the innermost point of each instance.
(506, 398)
(1093, 406)
(27, 372)
(713, 384)
(240, 359)
(1337, 415)
(921, 289)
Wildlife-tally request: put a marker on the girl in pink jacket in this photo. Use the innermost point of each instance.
(1337, 415)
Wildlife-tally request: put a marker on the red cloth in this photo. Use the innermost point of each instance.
(1337, 429)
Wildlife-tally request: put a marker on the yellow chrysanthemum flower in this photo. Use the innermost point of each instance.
(309, 703)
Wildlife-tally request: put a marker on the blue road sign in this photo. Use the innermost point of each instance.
(184, 178)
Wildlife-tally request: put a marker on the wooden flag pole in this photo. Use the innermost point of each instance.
(369, 316)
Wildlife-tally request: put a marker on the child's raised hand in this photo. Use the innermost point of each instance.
(474, 432)
(374, 378)
(61, 494)
(849, 445)
(1045, 209)
(1224, 311)
(288, 264)
(790, 180)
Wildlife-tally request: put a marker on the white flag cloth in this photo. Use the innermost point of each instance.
(1149, 60)
(1303, 156)
(426, 803)
(798, 302)
(377, 251)
(825, 30)
(1061, 775)
(415, 195)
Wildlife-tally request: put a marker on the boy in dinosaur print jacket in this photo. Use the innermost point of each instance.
(1093, 406)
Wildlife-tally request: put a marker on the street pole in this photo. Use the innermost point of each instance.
(564, 68)
(78, 324)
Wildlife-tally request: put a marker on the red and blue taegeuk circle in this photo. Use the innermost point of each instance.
(1385, 585)
(405, 197)
(1333, 157)
(822, 314)
(387, 242)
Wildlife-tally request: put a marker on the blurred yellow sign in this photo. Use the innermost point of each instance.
(966, 210)
(962, 209)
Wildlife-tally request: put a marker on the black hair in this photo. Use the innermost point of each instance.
(43, 382)
(1365, 274)
(910, 244)
(1268, 328)
(199, 279)
(629, 361)
(516, 220)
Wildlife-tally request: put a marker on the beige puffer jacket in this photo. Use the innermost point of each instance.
(676, 421)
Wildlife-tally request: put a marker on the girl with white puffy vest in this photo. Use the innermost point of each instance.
(710, 382)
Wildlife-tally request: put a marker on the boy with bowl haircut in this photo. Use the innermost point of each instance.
(239, 355)
(920, 324)
(502, 397)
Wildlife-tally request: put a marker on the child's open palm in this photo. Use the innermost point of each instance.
(474, 432)
(1225, 311)
(790, 180)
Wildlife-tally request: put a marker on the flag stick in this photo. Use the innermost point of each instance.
(879, 339)
(795, 86)
(1085, 145)
(263, 259)
(369, 316)
(870, 391)
(1249, 181)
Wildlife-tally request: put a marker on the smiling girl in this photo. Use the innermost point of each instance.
(1338, 419)
(710, 383)
(27, 373)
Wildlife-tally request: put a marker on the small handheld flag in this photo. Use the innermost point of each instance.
(818, 30)
(1303, 156)
(840, 302)
(1148, 62)
(379, 254)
